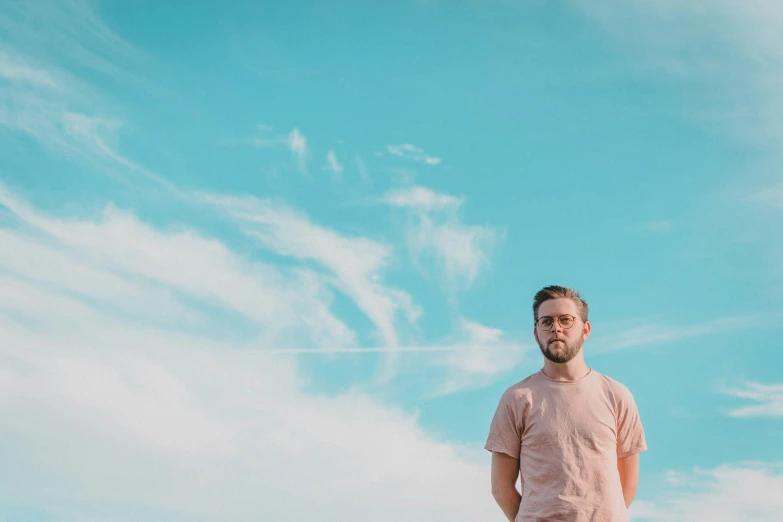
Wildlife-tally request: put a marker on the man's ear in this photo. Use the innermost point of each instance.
(587, 329)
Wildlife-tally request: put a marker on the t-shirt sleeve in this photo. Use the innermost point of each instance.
(630, 433)
(505, 431)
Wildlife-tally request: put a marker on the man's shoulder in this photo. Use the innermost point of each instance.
(524, 387)
(613, 386)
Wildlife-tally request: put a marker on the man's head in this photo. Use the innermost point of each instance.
(561, 325)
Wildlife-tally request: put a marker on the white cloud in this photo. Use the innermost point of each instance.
(436, 235)
(35, 259)
(768, 396)
(297, 144)
(421, 198)
(747, 492)
(356, 263)
(332, 165)
(205, 270)
(111, 416)
(412, 152)
(484, 354)
(461, 250)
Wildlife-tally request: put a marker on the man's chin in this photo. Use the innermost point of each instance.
(563, 356)
(557, 358)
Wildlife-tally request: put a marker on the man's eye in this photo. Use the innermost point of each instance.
(566, 321)
(546, 322)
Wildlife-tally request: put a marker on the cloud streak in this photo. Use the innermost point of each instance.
(421, 198)
(412, 152)
(48, 104)
(769, 399)
(17, 70)
(71, 33)
(623, 337)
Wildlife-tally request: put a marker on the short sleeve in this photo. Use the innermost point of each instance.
(505, 431)
(630, 433)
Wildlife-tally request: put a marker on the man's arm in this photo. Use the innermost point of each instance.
(505, 470)
(629, 476)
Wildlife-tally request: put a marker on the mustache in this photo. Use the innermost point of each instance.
(558, 339)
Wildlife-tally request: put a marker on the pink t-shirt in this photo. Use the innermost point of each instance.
(568, 437)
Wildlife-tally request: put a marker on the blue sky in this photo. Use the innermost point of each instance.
(275, 261)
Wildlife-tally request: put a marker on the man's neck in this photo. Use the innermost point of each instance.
(573, 370)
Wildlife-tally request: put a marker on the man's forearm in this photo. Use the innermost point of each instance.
(628, 468)
(629, 492)
(508, 499)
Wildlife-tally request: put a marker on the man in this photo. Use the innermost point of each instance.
(572, 435)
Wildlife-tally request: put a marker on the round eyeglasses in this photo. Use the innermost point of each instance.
(546, 323)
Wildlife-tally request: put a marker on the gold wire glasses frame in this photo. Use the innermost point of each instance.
(546, 323)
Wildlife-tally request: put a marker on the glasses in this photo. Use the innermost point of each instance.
(546, 323)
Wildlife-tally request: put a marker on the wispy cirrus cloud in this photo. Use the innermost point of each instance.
(15, 69)
(768, 399)
(355, 264)
(622, 336)
(333, 165)
(436, 235)
(71, 33)
(297, 144)
(463, 251)
(49, 104)
(294, 141)
(412, 152)
(727, 60)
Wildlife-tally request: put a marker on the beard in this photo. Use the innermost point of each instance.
(569, 351)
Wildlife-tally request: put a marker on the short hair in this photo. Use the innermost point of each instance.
(556, 292)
